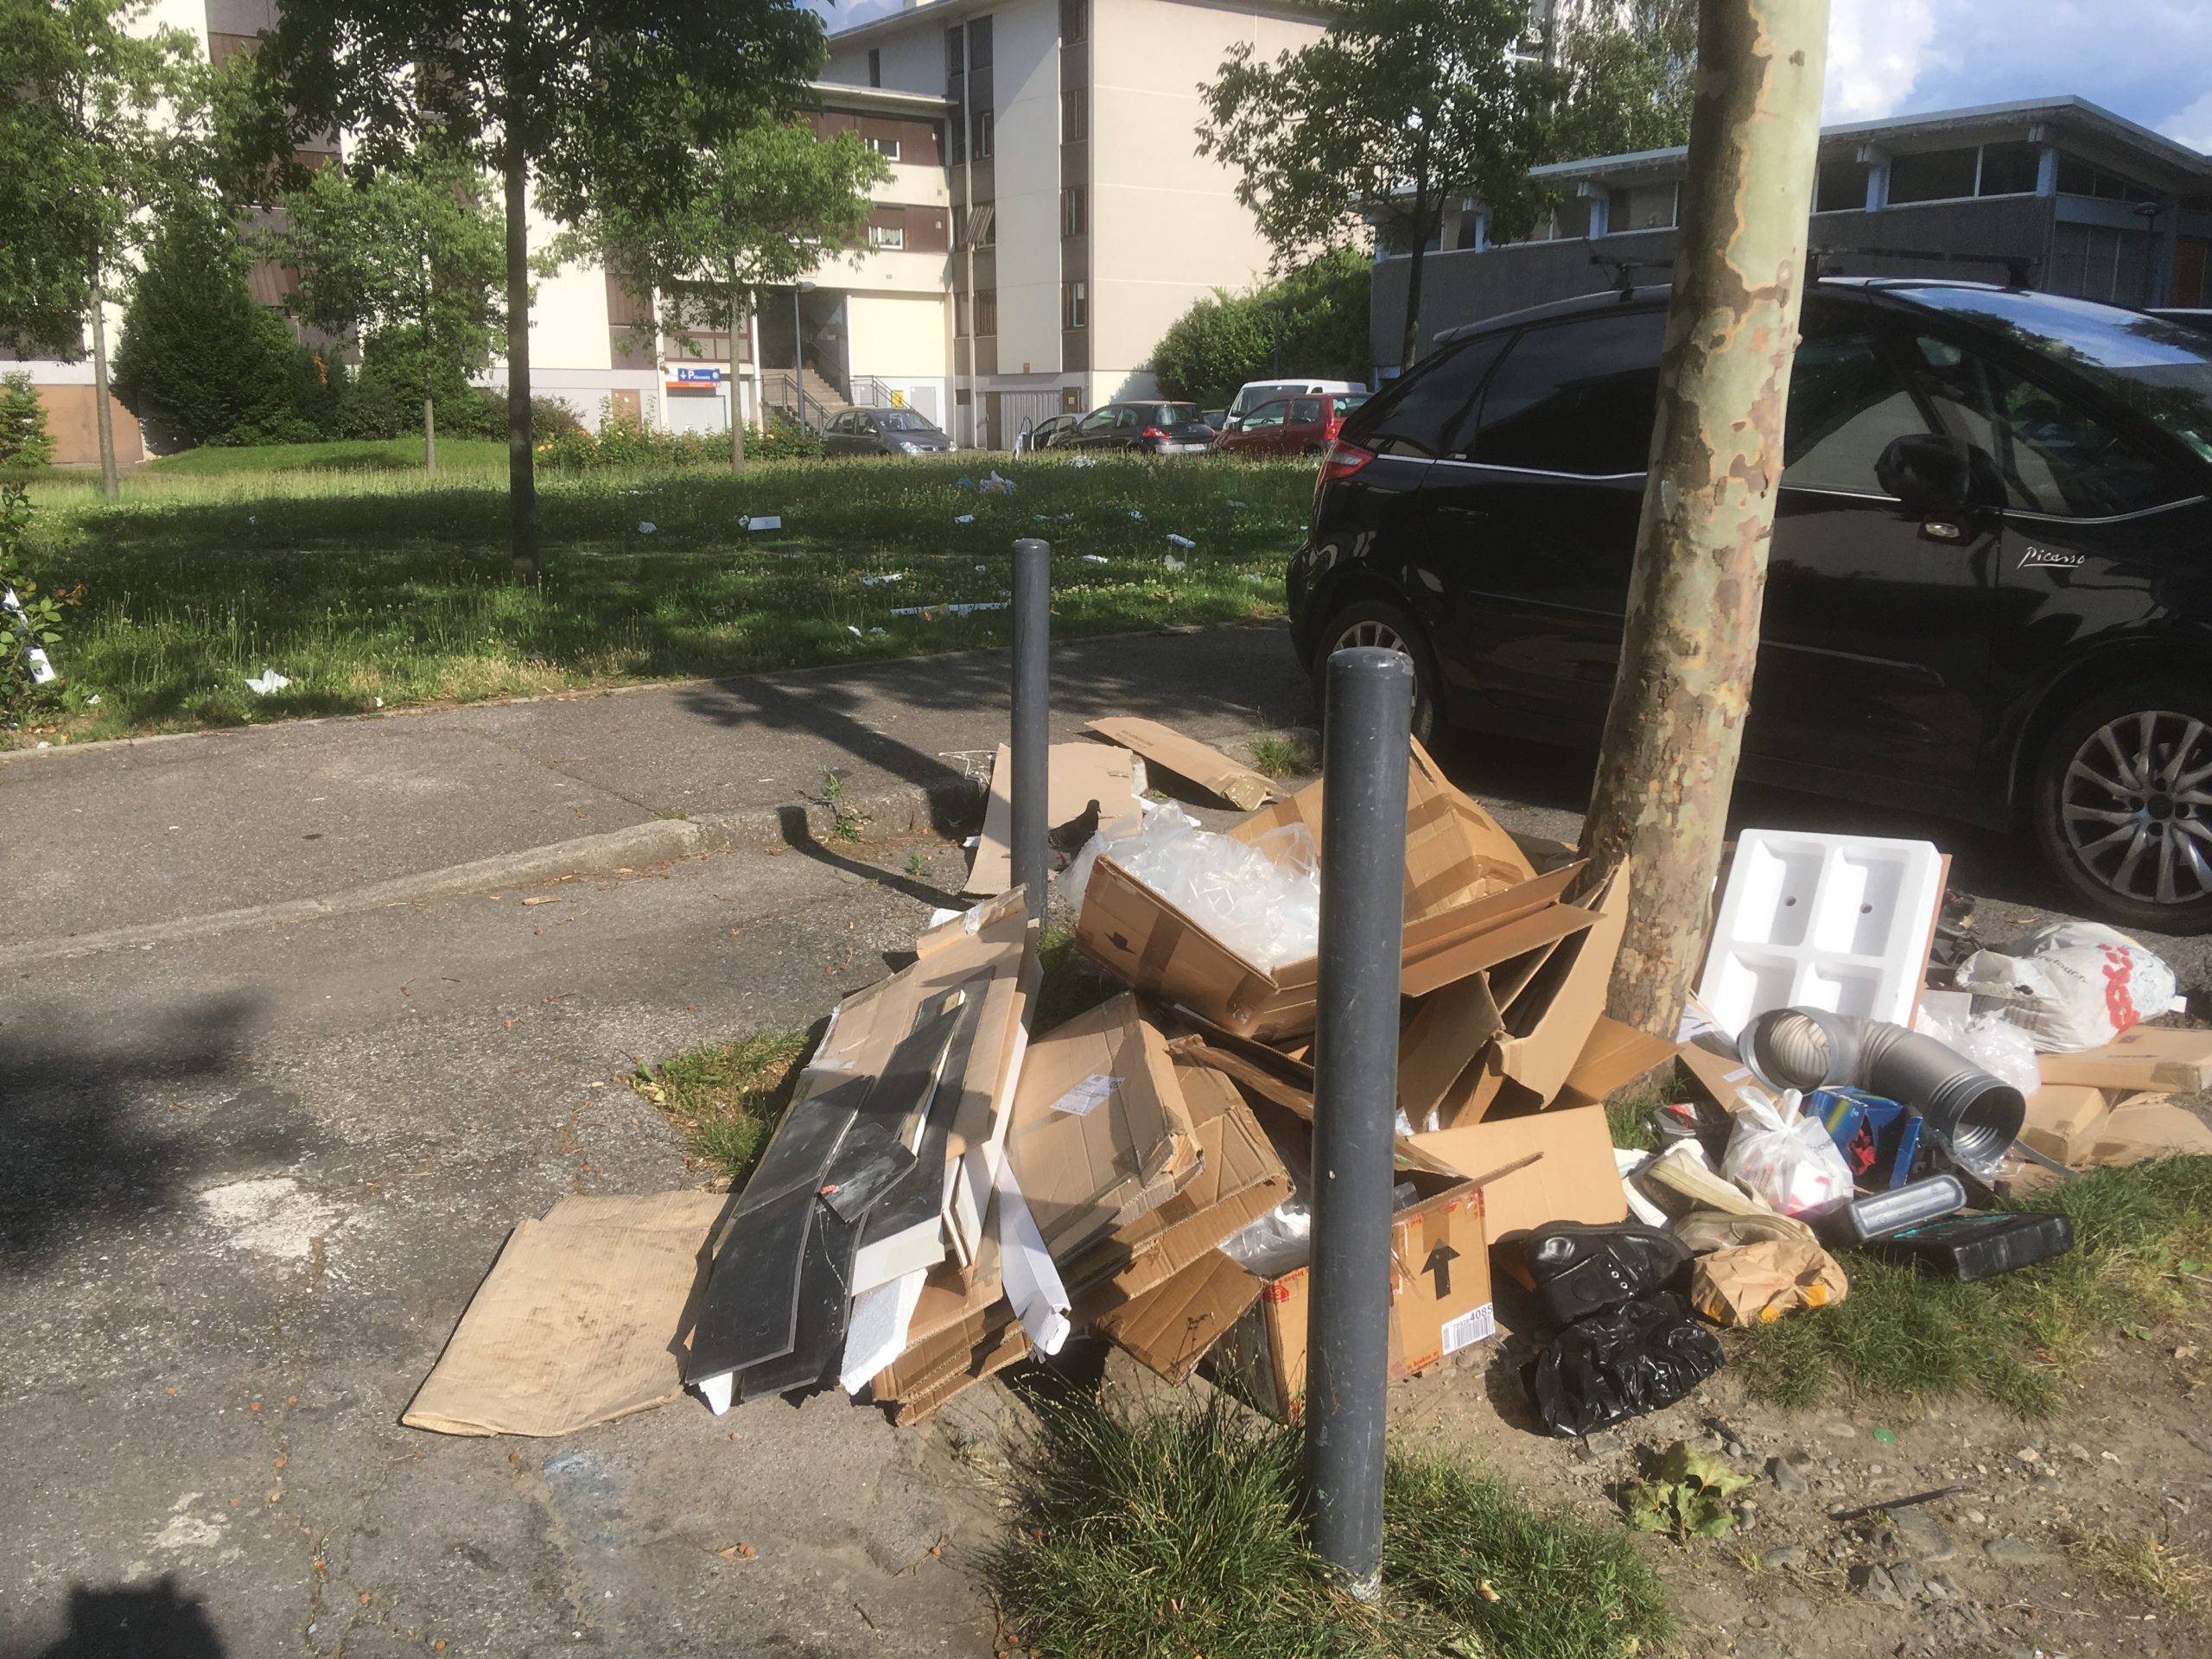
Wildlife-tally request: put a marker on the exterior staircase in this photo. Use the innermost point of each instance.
(779, 391)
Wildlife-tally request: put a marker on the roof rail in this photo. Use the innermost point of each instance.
(1624, 271)
(2019, 268)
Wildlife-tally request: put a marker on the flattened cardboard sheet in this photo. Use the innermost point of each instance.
(1188, 759)
(1078, 776)
(581, 1320)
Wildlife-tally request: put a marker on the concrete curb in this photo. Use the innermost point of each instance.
(909, 811)
(950, 807)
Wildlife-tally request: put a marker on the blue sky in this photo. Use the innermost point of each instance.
(2150, 60)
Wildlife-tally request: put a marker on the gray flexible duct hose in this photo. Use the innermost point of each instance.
(1976, 1115)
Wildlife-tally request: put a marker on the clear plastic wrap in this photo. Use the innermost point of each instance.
(1260, 899)
(1990, 1041)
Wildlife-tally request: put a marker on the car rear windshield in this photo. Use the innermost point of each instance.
(1173, 414)
(1348, 401)
(902, 420)
(2160, 369)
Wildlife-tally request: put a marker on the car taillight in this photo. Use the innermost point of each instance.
(1154, 432)
(1343, 460)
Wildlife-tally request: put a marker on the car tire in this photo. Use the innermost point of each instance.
(1378, 622)
(2121, 815)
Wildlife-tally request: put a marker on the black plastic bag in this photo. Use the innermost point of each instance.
(1581, 1269)
(1622, 1363)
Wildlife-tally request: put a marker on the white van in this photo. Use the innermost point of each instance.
(1253, 393)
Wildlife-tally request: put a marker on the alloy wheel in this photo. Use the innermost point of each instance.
(1371, 633)
(2135, 806)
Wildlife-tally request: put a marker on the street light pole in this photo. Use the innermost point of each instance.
(798, 355)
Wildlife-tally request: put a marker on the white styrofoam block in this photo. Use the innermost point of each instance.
(1835, 922)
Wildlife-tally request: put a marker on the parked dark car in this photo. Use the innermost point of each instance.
(1989, 593)
(2198, 317)
(883, 432)
(1053, 431)
(1291, 426)
(1154, 428)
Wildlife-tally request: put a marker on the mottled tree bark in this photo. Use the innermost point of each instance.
(1675, 726)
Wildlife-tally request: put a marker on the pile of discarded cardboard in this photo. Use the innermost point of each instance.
(953, 1189)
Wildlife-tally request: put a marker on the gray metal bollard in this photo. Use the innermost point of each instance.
(1354, 1103)
(1032, 654)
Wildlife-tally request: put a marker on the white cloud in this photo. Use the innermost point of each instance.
(2192, 126)
(1877, 51)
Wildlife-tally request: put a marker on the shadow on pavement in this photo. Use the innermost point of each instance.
(95, 1134)
(135, 1622)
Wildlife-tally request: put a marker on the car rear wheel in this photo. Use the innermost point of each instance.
(2123, 806)
(1378, 622)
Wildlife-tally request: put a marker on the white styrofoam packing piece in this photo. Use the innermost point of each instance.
(1834, 922)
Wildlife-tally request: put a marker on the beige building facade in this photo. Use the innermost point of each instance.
(1047, 217)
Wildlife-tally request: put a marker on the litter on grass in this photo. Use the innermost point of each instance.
(1173, 564)
(270, 681)
(931, 612)
(1096, 558)
(646, 526)
(880, 582)
(965, 518)
(1181, 541)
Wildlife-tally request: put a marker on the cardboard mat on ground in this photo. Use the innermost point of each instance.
(1089, 787)
(581, 1320)
(1471, 899)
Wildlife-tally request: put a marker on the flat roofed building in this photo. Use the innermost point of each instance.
(2080, 201)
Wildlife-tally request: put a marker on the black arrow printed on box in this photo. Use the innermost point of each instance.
(1439, 1263)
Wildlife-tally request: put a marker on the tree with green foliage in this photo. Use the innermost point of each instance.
(199, 355)
(772, 202)
(25, 443)
(1314, 321)
(1628, 81)
(585, 95)
(412, 257)
(98, 121)
(1400, 107)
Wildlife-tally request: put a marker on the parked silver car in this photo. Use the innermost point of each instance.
(883, 432)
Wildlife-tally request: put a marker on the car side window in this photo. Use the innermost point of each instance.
(1266, 415)
(1416, 414)
(2054, 457)
(1848, 402)
(1125, 418)
(1575, 396)
(1305, 411)
(864, 424)
(1098, 421)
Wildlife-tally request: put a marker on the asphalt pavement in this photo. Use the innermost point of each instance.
(285, 1054)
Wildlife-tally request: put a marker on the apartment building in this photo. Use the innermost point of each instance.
(2076, 200)
(1084, 219)
(1047, 217)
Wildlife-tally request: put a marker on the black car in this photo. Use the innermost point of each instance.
(883, 432)
(1989, 593)
(2198, 317)
(1154, 428)
(1051, 432)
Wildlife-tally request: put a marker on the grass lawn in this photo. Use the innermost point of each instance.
(342, 567)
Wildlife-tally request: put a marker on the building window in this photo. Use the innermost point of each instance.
(979, 43)
(1075, 16)
(1071, 219)
(980, 229)
(1075, 115)
(2009, 170)
(1841, 187)
(955, 61)
(886, 148)
(889, 237)
(1641, 208)
(2078, 178)
(874, 67)
(1932, 175)
(984, 124)
(1075, 305)
(987, 311)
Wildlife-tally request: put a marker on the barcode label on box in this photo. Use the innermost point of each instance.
(1087, 1095)
(1472, 1326)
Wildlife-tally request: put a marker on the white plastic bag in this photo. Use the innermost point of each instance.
(1782, 1158)
(2072, 985)
(1991, 1042)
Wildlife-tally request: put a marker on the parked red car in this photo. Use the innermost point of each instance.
(1290, 426)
